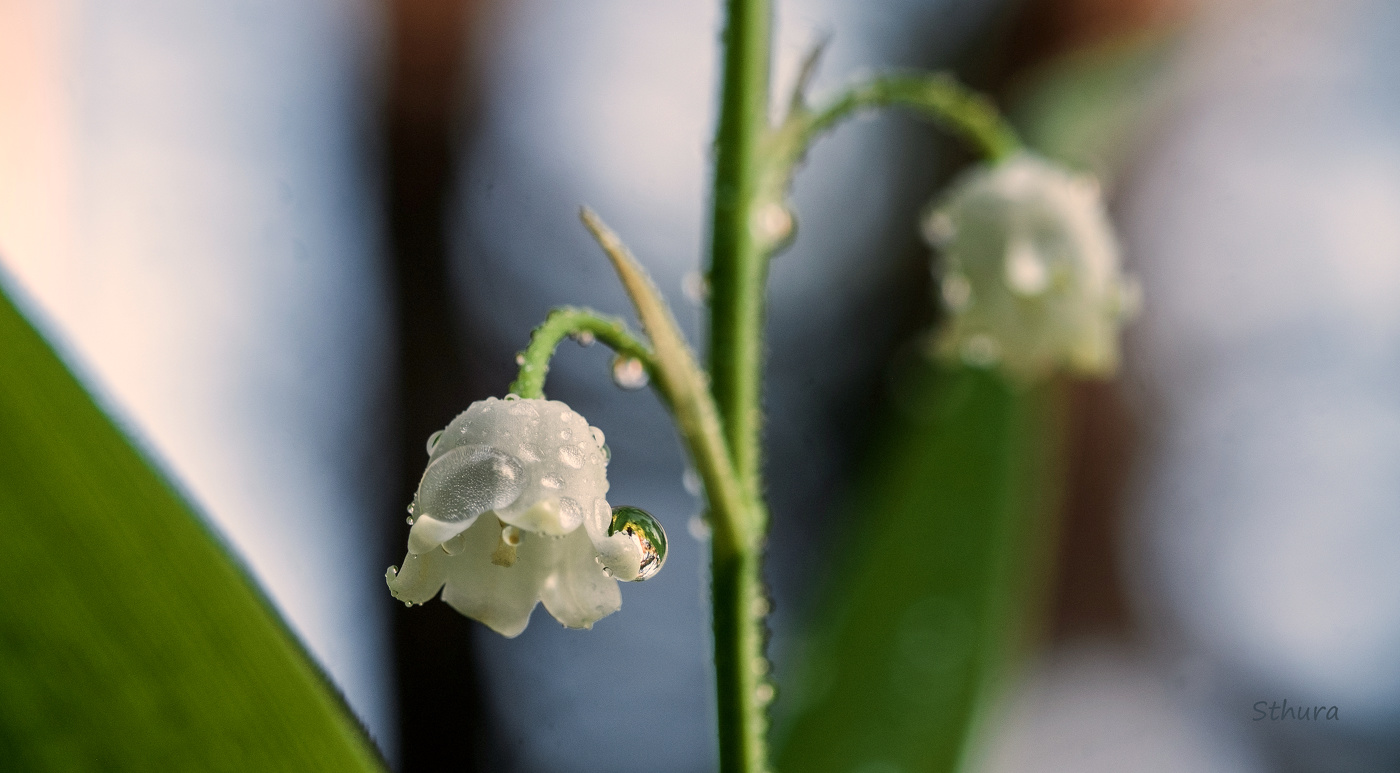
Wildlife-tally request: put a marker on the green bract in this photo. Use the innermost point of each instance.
(1030, 270)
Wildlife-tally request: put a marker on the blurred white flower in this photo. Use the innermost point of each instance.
(1030, 271)
(511, 512)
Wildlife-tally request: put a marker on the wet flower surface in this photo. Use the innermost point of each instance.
(511, 511)
(1030, 271)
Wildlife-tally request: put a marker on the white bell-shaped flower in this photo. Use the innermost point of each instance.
(511, 512)
(1030, 272)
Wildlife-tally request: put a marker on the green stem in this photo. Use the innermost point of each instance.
(738, 274)
(738, 268)
(935, 96)
(573, 321)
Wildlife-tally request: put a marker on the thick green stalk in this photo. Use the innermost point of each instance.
(738, 273)
(738, 268)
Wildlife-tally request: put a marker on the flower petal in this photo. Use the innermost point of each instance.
(419, 579)
(578, 592)
(428, 532)
(502, 597)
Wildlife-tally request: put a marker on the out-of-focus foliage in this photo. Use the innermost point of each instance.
(129, 640)
(929, 590)
(1086, 108)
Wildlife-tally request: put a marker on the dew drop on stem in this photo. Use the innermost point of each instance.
(629, 372)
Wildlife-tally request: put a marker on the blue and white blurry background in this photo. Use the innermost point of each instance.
(190, 203)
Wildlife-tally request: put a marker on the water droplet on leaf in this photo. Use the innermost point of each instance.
(433, 440)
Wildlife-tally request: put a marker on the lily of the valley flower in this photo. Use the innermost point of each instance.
(1030, 270)
(511, 512)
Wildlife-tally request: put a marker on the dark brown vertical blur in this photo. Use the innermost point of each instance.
(1089, 597)
(444, 722)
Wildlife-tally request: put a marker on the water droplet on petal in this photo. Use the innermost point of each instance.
(433, 440)
(564, 434)
(1026, 272)
(510, 535)
(597, 435)
(957, 291)
(570, 456)
(469, 480)
(939, 229)
(607, 454)
(529, 453)
(646, 532)
(570, 514)
(629, 372)
(981, 350)
(393, 571)
(512, 396)
(552, 481)
(410, 508)
(409, 520)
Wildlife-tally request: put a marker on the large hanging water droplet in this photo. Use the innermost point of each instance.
(433, 440)
(629, 372)
(646, 532)
(469, 480)
(1026, 272)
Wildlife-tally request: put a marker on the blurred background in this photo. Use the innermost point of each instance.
(283, 242)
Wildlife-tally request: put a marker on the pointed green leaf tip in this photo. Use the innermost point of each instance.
(128, 639)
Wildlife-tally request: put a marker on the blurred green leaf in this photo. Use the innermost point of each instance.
(1089, 107)
(948, 511)
(129, 640)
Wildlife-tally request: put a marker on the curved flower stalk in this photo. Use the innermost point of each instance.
(1030, 271)
(511, 512)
